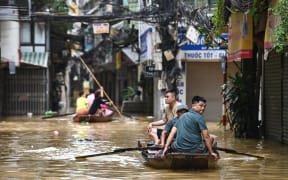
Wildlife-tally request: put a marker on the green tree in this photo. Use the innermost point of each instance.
(55, 6)
(281, 30)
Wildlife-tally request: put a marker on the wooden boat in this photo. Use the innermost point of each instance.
(179, 160)
(92, 118)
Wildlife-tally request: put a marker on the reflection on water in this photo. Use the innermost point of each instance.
(33, 148)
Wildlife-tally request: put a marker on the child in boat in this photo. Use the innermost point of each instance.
(181, 109)
(105, 111)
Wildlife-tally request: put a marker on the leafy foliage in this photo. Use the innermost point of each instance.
(218, 18)
(59, 7)
(128, 93)
(281, 31)
(240, 97)
(56, 6)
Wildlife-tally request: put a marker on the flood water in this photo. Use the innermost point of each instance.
(36, 148)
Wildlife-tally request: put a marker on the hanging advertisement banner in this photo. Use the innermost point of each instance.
(146, 44)
(272, 22)
(240, 43)
(100, 28)
(148, 39)
(118, 60)
(192, 34)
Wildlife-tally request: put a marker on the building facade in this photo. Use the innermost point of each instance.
(24, 61)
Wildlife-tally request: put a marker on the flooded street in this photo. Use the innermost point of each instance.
(35, 148)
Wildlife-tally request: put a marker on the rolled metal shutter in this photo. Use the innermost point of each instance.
(272, 97)
(25, 92)
(285, 100)
(1, 91)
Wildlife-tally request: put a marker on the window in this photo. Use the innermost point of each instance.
(34, 35)
(25, 33)
(39, 35)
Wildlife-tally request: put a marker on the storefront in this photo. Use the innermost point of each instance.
(275, 88)
(202, 75)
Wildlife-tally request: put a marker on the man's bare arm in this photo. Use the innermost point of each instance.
(161, 122)
(169, 140)
(207, 140)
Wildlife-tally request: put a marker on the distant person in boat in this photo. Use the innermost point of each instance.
(99, 107)
(91, 97)
(191, 131)
(170, 112)
(82, 104)
(181, 109)
(95, 108)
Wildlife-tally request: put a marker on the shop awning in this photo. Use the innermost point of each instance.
(132, 55)
(35, 58)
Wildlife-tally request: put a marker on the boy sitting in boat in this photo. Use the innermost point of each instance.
(181, 109)
(192, 132)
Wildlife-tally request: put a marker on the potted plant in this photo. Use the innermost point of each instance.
(240, 98)
(128, 93)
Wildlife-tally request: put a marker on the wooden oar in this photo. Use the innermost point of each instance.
(97, 82)
(57, 115)
(117, 151)
(232, 151)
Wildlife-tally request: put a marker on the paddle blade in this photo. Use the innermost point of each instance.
(232, 151)
(115, 152)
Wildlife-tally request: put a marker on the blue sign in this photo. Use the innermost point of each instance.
(201, 51)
